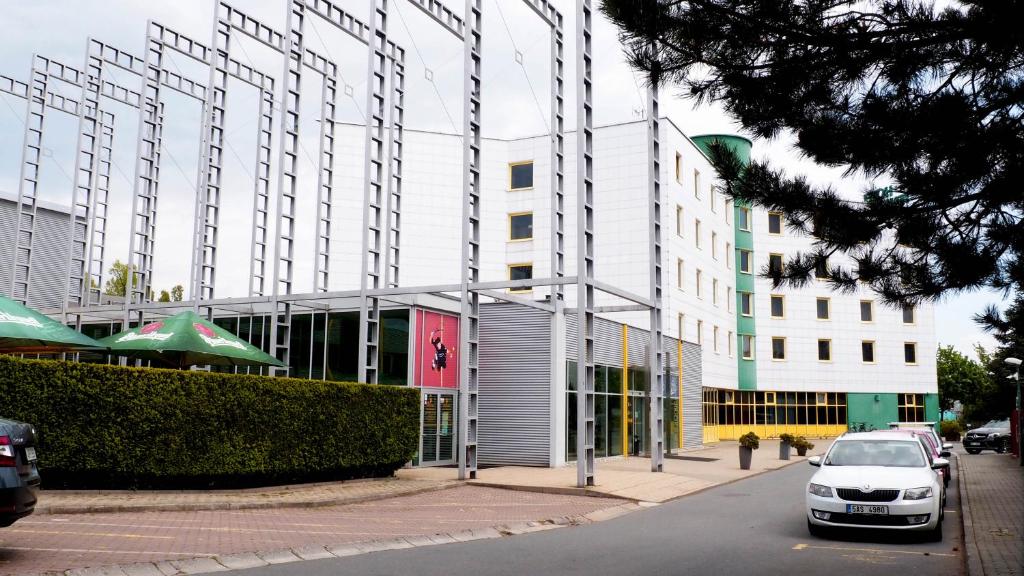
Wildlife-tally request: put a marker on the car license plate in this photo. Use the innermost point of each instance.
(972, 443)
(30, 454)
(861, 509)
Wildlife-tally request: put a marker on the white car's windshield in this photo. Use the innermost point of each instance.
(894, 453)
(997, 424)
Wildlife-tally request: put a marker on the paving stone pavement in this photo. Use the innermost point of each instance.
(992, 493)
(302, 495)
(192, 542)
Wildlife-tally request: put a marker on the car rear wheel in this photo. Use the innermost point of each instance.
(936, 534)
(815, 530)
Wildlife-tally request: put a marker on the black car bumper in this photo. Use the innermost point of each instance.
(984, 443)
(17, 501)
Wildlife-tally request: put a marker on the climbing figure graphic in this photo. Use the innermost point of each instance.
(440, 361)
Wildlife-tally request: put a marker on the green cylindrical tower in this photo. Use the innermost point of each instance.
(747, 370)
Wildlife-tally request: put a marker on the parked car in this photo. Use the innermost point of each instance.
(19, 475)
(878, 480)
(936, 451)
(992, 436)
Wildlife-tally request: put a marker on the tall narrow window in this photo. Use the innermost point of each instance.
(696, 233)
(728, 256)
(696, 184)
(714, 291)
(728, 211)
(825, 350)
(775, 223)
(824, 308)
(520, 226)
(520, 272)
(747, 346)
(867, 311)
(714, 199)
(714, 245)
(679, 167)
(746, 261)
(821, 269)
(728, 298)
(744, 219)
(714, 335)
(908, 314)
(778, 306)
(681, 319)
(728, 343)
(775, 263)
(778, 348)
(679, 220)
(699, 275)
(910, 352)
(520, 175)
(867, 352)
(700, 332)
(680, 276)
(746, 304)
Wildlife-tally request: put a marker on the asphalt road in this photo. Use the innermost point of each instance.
(755, 526)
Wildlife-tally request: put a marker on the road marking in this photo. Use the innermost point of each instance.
(89, 551)
(872, 550)
(101, 534)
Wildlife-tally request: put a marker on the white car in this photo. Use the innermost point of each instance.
(879, 480)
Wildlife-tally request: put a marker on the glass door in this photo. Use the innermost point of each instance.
(437, 437)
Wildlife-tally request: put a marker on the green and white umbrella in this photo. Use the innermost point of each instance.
(25, 331)
(185, 340)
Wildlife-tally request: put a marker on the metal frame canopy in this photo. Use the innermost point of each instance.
(382, 189)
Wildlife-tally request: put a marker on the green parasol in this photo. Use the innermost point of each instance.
(184, 340)
(25, 331)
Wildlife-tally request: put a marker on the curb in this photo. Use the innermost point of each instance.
(246, 560)
(212, 506)
(972, 557)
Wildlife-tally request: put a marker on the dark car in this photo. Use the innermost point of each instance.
(992, 436)
(19, 476)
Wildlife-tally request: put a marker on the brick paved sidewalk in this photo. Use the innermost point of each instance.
(297, 496)
(992, 492)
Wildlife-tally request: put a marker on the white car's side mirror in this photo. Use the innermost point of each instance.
(940, 463)
(814, 460)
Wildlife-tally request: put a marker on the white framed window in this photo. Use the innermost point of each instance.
(681, 320)
(520, 175)
(522, 271)
(714, 245)
(728, 298)
(909, 315)
(728, 343)
(824, 350)
(867, 311)
(699, 275)
(680, 274)
(696, 234)
(696, 184)
(746, 304)
(821, 270)
(778, 306)
(867, 351)
(775, 223)
(714, 333)
(823, 308)
(775, 263)
(714, 291)
(700, 332)
(520, 226)
(714, 199)
(910, 352)
(744, 219)
(679, 167)
(747, 346)
(778, 348)
(728, 256)
(679, 220)
(728, 211)
(746, 261)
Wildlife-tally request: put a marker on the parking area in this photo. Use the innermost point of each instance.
(60, 542)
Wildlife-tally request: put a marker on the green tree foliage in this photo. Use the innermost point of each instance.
(961, 379)
(1007, 328)
(117, 279)
(113, 427)
(177, 293)
(165, 296)
(928, 99)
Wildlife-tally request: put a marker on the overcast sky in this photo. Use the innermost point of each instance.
(516, 88)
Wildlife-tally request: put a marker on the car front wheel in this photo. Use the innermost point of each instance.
(936, 534)
(1003, 446)
(815, 530)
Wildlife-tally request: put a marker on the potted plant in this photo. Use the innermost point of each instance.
(802, 445)
(748, 443)
(785, 442)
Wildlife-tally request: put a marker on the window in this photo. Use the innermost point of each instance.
(520, 175)
(679, 167)
(778, 306)
(728, 342)
(823, 307)
(744, 219)
(825, 350)
(714, 245)
(775, 223)
(696, 184)
(778, 348)
(747, 346)
(728, 211)
(700, 280)
(867, 311)
(714, 291)
(714, 332)
(908, 314)
(821, 269)
(520, 226)
(867, 352)
(696, 233)
(746, 261)
(520, 272)
(728, 298)
(679, 273)
(728, 256)
(775, 263)
(679, 220)
(714, 199)
(910, 352)
(910, 407)
(700, 332)
(681, 319)
(746, 304)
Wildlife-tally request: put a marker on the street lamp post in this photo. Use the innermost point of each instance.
(1020, 433)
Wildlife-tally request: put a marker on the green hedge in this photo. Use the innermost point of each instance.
(112, 427)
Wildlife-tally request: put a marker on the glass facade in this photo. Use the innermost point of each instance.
(732, 413)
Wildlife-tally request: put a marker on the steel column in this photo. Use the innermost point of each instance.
(584, 247)
(393, 239)
(325, 186)
(656, 353)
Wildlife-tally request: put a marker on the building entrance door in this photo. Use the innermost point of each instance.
(437, 438)
(638, 431)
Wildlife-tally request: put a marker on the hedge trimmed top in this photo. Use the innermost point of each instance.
(185, 340)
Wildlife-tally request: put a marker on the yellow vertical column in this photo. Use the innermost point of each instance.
(625, 390)
(679, 359)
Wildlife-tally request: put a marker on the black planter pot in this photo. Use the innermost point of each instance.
(745, 456)
(784, 450)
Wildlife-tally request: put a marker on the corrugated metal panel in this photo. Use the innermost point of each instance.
(515, 386)
(49, 255)
(693, 399)
(607, 340)
(638, 342)
(8, 224)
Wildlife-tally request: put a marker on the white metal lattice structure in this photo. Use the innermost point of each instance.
(656, 365)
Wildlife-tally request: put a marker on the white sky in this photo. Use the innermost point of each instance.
(515, 104)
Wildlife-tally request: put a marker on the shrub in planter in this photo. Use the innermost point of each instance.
(802, 445)
(951, 430)
(748, 443)
(786, 441)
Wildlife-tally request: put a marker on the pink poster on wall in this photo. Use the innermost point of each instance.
(437, 347)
